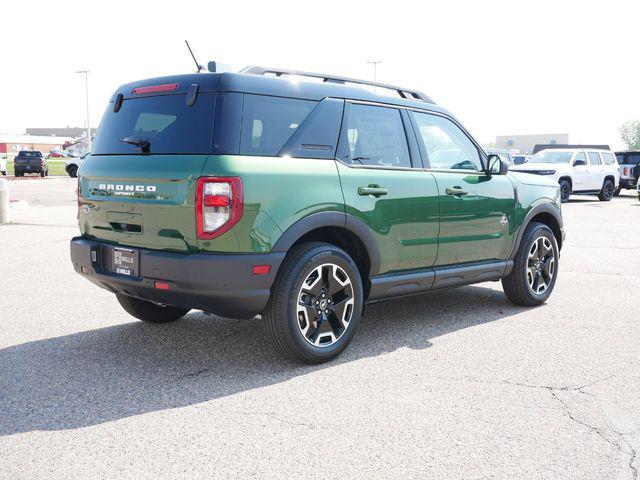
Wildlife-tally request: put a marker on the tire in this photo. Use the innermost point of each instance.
(4, 173)
(150, 312)
(517, 285)
(16, 173)
(330, 279)
(617, 192)
(608, 190)
(565, 190)
(42, 173)
(73, 171)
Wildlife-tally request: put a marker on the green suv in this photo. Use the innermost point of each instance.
(256, 193)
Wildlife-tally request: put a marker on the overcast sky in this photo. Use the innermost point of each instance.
(502, 67)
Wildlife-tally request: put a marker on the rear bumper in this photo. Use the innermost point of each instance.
(628, 183)
(222, 284)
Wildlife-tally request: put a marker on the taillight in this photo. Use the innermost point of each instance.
(625, 171)
(219, 205)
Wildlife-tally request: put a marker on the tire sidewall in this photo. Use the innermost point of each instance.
(563, 198)
(314, 258)
(606, 197)
(535, 233)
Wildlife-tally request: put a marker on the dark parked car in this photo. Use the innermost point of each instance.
(30, 161)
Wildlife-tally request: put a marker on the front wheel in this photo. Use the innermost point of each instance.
(565, 190)
(535, 267)
(148, 311)
(315, 305)
(73, 171)
(608, 190)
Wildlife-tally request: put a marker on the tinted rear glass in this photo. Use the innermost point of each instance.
(165, 121)
(26, 154)
(633, 158)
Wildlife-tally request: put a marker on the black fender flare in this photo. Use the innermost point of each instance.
(332, 219)
(540, 208)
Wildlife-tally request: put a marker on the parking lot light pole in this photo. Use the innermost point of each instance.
(375, 70)
(86, 84)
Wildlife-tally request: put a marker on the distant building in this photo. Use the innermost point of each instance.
(73, 132)
(13, 143)
(525, 143)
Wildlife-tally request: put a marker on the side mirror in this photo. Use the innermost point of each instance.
(579, 162)
(496, 165)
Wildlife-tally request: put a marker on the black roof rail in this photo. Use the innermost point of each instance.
(406, 93)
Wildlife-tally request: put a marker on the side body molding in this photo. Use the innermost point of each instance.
(332, 219)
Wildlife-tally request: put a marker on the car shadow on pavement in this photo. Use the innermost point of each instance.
(107, 374)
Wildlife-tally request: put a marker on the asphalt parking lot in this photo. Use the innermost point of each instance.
(454, 384)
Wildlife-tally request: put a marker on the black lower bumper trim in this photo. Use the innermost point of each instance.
(219, 283)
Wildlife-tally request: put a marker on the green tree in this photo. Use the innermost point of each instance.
(630, 134)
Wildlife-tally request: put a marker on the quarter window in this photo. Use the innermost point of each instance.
(594, 158)
(268, 122)
(376, 136)
(608, 158)
(447, 146)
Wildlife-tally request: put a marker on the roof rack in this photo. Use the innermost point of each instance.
(403, 92)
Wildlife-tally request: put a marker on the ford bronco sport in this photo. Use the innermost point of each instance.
(247, 193)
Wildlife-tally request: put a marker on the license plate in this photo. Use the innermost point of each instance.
(124, 261)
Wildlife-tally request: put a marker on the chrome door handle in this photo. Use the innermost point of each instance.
(455, 191)
(374, 191)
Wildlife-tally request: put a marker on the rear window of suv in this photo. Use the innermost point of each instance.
(166, 121)
(27, 154)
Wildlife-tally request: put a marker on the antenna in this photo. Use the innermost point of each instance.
(198, 66)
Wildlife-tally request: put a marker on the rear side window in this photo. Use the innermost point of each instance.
(594, 158)
(375, 136)
(268, 122)
(166, 122)
(608, 158)
(446, 144)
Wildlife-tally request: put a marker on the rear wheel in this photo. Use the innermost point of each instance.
(42, 173)
(315, 305)
(608, 190)
(72, 171)
(150, 312)
(535, 267)
(565, 190)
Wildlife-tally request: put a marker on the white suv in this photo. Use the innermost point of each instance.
(580, 170)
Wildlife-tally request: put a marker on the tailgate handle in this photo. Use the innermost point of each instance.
(126, 227)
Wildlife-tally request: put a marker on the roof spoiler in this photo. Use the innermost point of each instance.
(407, 93)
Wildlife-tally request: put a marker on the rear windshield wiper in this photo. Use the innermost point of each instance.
(142, 143)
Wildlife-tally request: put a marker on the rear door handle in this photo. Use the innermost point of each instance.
(455, 191)
(374, 191)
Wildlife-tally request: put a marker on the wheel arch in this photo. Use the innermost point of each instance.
(344, 230)
(567, 178)
(546, 214)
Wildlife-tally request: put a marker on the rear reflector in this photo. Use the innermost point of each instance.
(261, 269)
(165, 87)
(161, 285)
